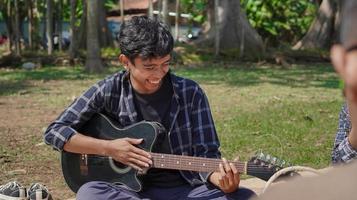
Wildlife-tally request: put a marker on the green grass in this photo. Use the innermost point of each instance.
(290, 113)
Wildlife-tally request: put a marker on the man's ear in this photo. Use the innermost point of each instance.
(124, 60)
(338, 59)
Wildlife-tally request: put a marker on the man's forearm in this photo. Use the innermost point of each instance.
(80, 143)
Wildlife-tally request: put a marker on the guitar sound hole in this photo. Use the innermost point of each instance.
(120, 165)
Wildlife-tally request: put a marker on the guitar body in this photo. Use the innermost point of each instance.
(79, 169)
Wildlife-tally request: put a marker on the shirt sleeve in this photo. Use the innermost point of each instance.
(64, 127)
(343, 152)
(205, 139)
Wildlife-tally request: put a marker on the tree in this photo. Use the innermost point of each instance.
(59, 23)
(177, 17)
(323, 30)
(234, 29)
(105, 36)
(30, 22)
(49, 26)
(122, 11)
(93, 60)
(78, 38)
(165, 11)
(17, 29)
(151, 9)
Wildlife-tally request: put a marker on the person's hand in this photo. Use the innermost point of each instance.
(227, 178)
(345, 64)
(124, 151)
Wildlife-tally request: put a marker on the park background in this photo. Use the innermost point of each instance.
(264, 65)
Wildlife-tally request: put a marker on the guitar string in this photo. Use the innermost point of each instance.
(211, 161)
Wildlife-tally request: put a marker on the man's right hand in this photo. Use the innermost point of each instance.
(124, 151)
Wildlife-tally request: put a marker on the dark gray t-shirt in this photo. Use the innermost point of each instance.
(156, 107)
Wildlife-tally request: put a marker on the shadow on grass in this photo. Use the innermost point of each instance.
(322, 75)
(15, 80)
(12, 87)
(301, 76)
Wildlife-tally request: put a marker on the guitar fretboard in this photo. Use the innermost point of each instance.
(170, 161)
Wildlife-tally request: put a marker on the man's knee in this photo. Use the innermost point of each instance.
(91, 190)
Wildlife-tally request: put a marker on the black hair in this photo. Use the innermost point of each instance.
(145, 37)
(348, 31)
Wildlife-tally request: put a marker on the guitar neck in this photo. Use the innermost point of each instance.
(199, 164)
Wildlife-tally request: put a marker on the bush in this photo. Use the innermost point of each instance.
(280, 21)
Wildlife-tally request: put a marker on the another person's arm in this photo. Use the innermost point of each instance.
(343, 150)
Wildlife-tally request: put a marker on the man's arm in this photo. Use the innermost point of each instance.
(206, 145)
(343, 150)
(62, 134)
(121, 150)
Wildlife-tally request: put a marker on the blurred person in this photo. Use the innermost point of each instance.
(344, 59)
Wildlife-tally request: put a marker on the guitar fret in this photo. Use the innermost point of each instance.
(179, 162)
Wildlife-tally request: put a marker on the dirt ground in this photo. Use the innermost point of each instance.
(23, 155)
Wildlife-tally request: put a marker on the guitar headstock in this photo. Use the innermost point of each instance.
(264, 166)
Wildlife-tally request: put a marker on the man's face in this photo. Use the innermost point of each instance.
(146, 75)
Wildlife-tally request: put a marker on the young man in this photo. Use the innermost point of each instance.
(147, 90)
(344, 58)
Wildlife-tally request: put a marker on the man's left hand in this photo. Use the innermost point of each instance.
(227, 178)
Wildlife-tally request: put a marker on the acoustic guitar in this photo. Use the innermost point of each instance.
(81, 168)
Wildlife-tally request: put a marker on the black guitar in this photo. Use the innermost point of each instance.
(81, 168)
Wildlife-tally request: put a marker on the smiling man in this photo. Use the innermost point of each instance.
(147, 90)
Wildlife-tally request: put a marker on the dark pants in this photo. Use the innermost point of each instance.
(97, 190)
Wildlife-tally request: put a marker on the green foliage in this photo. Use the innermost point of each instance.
(111, 4)
(110, 52)
(278, 21)
(196, 8)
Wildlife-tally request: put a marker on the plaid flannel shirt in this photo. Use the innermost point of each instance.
(343, 152)
(192, 129)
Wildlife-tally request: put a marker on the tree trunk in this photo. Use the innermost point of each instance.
(177, 18)
(82, 36)
(159, 9)
(105, 36)
(122, 11)
(78, 36)
(49, 27)
(165, 12)
(234, 29)
(151, 9)
(93, 60)
(59, 24)
(73, 46)
(30, 22)
(216, 29)
(321, 32)
(7, 14)
(17, 30)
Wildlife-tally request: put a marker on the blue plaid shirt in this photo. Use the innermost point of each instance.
(343, 152)
(192, 129)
